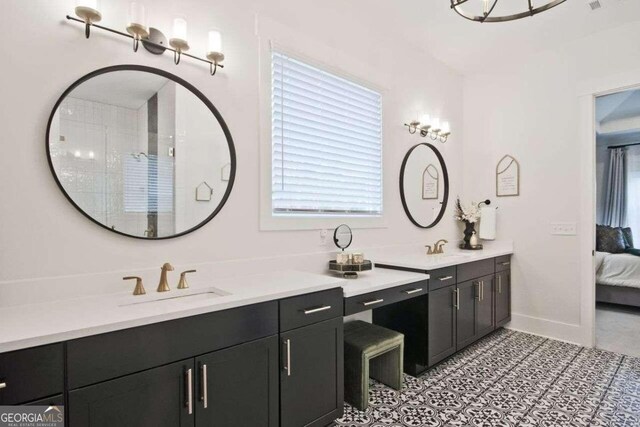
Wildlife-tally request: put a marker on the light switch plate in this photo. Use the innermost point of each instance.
(564, 229)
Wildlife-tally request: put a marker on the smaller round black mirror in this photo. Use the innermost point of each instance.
(424, 185)
(342, 236)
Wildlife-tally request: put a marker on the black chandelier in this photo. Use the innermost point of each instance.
(489, 13)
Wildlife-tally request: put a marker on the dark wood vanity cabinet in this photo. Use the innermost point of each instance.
(442, 324)
(502, 294)
(238, 386)
(31, 374)
(464, 303)
(154, 398)
(312, 361)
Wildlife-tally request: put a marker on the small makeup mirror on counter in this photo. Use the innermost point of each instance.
(424, 185)
(342, 236)
(139, 151)
(347, 263)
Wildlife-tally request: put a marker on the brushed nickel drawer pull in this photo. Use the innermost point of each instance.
(479, 292)
(505, 263)
(317, 310)
(445, 278)
(3, 385)
(375, 301)
(204, 396)
(189, 380)
(457, 301)
(413, 291)
(499, 284)
(288, 367)
(482, 290)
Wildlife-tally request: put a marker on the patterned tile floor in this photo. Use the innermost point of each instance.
(512, 379)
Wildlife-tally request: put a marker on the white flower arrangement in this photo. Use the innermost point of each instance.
(470, 213)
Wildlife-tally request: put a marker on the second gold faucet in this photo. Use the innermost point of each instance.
(163, 286)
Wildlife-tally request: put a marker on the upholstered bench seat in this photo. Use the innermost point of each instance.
(370, 351)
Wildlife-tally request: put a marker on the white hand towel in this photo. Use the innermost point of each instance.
(488, 216)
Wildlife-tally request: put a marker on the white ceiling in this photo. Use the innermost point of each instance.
(468, 47)
(618, 117)
(129, 89)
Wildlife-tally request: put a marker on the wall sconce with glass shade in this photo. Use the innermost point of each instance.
(430, 127)
(153, 40)
(214, 51)
(87, 11)
(137, 25)
(178, 39)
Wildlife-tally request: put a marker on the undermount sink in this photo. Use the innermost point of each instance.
(182, 295)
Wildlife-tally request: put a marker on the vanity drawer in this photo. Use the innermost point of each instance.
(503, 263)
(103, 357)
(31, 374)
(442, 277)
(303, 310)
(384, 297)
(473, 270)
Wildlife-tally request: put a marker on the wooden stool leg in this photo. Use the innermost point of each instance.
(387, 368)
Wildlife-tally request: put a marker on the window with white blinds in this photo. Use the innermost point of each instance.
(326, 142)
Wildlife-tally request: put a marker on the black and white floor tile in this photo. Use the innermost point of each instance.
(512, 379)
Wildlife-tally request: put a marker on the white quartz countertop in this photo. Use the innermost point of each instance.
(378, 279)
(33, 324)
(45, 323)
(419, 260)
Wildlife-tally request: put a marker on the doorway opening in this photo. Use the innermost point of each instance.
(617, 221)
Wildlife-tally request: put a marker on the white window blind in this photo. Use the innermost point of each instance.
(148, 184)
(326, 142)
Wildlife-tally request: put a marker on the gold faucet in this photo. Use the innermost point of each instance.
(182, 284)
(163, 286)
(139, 289)
(437, 248)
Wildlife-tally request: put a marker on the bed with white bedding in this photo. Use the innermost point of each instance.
(618, 278)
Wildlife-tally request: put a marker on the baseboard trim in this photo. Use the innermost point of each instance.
(567, 332)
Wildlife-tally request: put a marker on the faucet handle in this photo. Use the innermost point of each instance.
(429, 249)
(182, 284)
(139, 289)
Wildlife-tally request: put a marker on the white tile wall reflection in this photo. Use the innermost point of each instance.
(94, 140)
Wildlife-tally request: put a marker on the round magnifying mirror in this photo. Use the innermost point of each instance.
(424, 185)
(141, 152)
(342, 236)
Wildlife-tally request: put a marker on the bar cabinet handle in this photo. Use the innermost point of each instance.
(189, 384)
(413, 291)
(317, 310)
(204, 388)
(375, 301)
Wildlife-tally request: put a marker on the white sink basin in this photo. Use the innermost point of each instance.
(181, 295)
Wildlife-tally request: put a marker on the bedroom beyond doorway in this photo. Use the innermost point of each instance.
(617, 257)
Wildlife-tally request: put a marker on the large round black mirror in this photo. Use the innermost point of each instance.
(141, 152)
(424, 185)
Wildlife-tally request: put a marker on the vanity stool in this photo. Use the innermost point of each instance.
(370, 350)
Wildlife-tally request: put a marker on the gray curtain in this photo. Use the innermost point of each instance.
(615, 207)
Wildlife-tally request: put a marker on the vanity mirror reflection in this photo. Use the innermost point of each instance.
(141, 152)
(424, 185)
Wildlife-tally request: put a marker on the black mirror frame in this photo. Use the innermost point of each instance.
(445, 175)
(335, 237)
(192, 89)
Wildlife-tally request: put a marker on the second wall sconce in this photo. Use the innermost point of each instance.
(154, 41)
(430, 127)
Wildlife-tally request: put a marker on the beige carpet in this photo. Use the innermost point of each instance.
(618, 329)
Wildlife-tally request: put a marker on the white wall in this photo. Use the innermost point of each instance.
(42, 235)
(536, 112)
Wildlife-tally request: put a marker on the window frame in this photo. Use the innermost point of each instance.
(275, 221)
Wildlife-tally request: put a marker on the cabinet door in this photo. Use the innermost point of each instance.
(312, 376)
(502, 298)
(484, 307)
(239, 386)
(155, 398)
(467, 313)
(442, 324)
